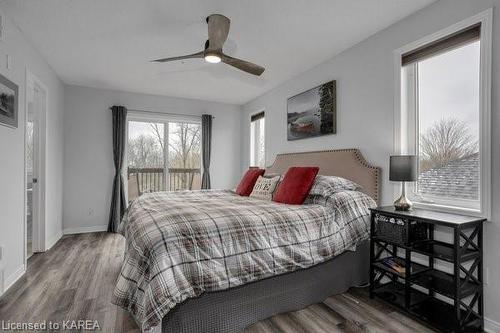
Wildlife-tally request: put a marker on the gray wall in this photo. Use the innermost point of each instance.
(365, 90)
(23, 56)
(88, 161)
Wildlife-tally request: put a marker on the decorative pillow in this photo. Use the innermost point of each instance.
(271, 175)
(295, 185)
(246, 184)
(265, 187)
(328, 185)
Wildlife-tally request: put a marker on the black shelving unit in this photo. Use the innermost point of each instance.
(449, 302)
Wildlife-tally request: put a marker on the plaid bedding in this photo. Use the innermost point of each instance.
(182, 244)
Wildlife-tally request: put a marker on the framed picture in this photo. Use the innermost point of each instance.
(313, 112)
(8, 102)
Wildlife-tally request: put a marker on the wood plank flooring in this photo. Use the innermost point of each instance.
(75, 279)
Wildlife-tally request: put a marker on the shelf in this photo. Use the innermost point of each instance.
(443, 284)
(415, 268)
(440, 250)
(425, 293)
(394, 293)
(443, 251)
(381, 238)
(441, 315)
(432, 217)
(424, 307)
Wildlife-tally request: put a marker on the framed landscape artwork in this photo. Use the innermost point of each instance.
(313, 113)
(8, 102)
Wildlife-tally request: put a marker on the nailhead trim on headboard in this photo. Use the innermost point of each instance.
(359, 158)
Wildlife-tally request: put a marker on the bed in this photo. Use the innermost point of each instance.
(212, 261)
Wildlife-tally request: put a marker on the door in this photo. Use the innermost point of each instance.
(36, 98)
(162, 155)
(184, 156)
(31, 173)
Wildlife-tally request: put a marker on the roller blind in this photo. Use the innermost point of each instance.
(257, 116)
(460, 38)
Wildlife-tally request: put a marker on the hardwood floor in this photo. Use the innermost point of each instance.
(75, 280)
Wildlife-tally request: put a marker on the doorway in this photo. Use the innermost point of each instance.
(36, 105)
(163, 154)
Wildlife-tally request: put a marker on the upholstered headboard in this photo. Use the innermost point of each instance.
(346, 163)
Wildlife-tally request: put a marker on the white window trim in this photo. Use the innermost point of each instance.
(400, 118)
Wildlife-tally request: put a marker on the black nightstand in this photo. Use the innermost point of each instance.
(418, 288)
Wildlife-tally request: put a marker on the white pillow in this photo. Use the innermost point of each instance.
(265, 187)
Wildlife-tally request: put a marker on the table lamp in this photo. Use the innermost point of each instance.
(403, 168)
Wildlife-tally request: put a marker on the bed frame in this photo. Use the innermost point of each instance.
(345, 163)
(230, 311)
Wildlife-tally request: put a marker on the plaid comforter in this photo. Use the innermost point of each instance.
(182, 244)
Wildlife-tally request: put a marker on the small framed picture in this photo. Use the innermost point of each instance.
(8, 102)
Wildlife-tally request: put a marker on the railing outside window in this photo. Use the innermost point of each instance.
(145, 180)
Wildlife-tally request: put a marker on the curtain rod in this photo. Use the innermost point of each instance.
(166, 113)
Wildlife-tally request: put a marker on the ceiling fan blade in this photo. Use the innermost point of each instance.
(243, 65)
(218, 29)
(189, 56)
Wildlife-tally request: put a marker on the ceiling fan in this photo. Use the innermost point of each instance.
(218, 29)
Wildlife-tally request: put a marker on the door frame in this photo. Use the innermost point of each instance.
(38, 237)
(160, 117)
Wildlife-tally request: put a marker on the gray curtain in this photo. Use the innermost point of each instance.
(206, 147)
(118, 203)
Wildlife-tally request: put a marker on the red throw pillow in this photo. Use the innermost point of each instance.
(247, 183)
(295, 186)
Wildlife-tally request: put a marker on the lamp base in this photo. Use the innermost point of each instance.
(402, 203)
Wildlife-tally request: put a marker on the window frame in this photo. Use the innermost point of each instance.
(255, 136)
(405, 113)
(157, 117)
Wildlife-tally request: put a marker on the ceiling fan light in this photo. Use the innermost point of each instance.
(212, 58)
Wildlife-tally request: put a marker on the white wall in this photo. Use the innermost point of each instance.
(88, 154)
(364, 77)
(23, 56)
(365, 89)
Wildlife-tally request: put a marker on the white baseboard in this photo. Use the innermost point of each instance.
(53, 240)
(11, 279)
(81, 230)
(491, 326)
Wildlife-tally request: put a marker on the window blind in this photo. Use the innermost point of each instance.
(460, 38)
(257, 116)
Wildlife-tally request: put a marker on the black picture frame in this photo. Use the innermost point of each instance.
(9, 102)
(313, 113)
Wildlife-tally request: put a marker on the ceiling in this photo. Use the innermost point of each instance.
(108, 43)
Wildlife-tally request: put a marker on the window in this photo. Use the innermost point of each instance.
(257, 140)
(442, 120)
(163, 155)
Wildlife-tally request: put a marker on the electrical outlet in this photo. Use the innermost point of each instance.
(7, 61)
(1, 253)
(91, 212)
(486, 275)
